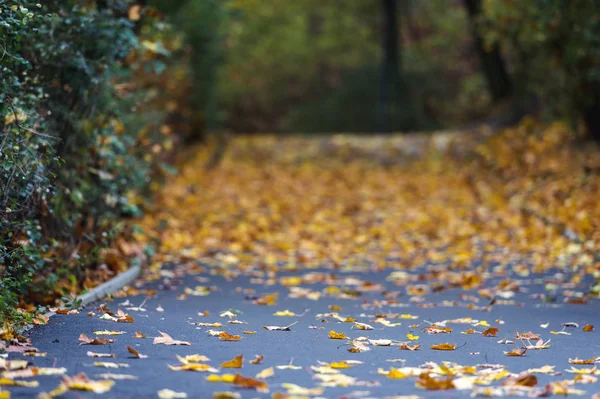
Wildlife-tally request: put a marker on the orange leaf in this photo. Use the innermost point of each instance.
(235, 363)
(444, 347)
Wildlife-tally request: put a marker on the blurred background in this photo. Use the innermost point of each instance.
(388, 65)
(97, 97)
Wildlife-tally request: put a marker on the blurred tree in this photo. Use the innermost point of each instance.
(490, 58)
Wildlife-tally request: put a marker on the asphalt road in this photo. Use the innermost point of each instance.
(308, 341)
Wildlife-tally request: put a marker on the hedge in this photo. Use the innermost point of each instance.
(83, 94)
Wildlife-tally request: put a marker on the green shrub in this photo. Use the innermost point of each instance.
(77, 140)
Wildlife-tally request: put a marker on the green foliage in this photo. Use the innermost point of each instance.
(554, 47)
(75, 144)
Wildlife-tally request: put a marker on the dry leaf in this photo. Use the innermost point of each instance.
(224, 336)
(166, 339)
(405, 346)
(266, 373)
(192, 359)
(139, 334)
(276, 328)
(258, 359)
(110, 365)
(194, 367)
(336, 335)
(491, 332)
(135, 353)
(250, 383)
(235, 363)
(95, 354)
(588, 328)
(106, 332)
(444, 347)
(516, 352)
(85, 340)
(169, 394)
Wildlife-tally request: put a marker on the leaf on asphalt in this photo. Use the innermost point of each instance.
(107, 332)
(7, 382)
(227, 378)
(491, 332)
(248, 332)
(169, 394)
(258, 359)
(79, 382)
(235, 363)
(506, 341)
(405, 346)
(516, 352)
(412, 337)
(277, 328)
(393, 373)
(166, 339)
(588, 328)
(380, 342)
(225, 336)
(250, 383)
(584, 361)
(336, 335)
(110, 365)
(85, 340)
(426, 381)
(266, 373)
(229, 314)
(113, 376)
(95, 354)
(200, 324)
(574, 370)
(192, 359)
(547, 369)
(237, 322)
(226, 395)
(139, 334)
(362, 326)
(444, 347)
(135, 353)
(200, 367)
(297, 390)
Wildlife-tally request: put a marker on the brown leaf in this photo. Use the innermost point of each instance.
(491, 332)
(258, 359)
(405, 346)
(235, 363)
(139, 334)
(166, 339)
(85, 340)
(588, 328)
(516, 352)
(135, 353)
(250, 383)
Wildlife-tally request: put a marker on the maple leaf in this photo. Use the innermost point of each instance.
(336, 335)
(85, 340)
(277, 328)
(258, 359)
(135, 353)
(235, 363)
(166, 339)
(491, 332)
(444, 347)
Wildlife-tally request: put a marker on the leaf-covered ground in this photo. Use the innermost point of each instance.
(351, 267)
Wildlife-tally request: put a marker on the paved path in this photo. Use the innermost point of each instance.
(308, 342)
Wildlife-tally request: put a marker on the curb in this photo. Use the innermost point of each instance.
(101, 291)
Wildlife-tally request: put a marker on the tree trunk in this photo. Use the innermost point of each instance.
(390, 74)
(491, 60)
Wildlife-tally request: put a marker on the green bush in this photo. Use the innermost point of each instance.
(554, 47)
(75, 140)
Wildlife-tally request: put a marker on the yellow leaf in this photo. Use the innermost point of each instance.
(412, 337)
(444, 347)
(266, 373)
(336, 335)
(235, 363)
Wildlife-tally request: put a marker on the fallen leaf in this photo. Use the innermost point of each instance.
(110, 365)
(276, 328)
(166, 339)
(106, 332)
(516, 352)
(235, 363)
(491, 332)
(336, 335)
(169, 394)
(266, 373)
(405, 346)
(224, 336)
(250, 383)
(588, 328)
(412, 337)
(139, 334)
(85, 340)
(194, 367)
(192, 359)
(135, 353)
(426, 381)
(95, 354)
(258, 359)
(444, 347)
